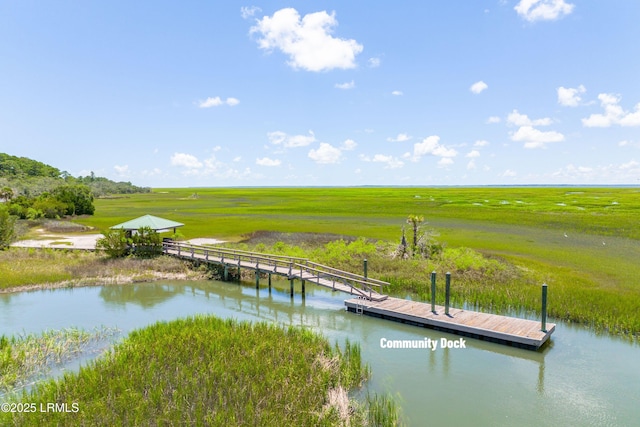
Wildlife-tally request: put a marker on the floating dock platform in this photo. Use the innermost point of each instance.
(512, 331)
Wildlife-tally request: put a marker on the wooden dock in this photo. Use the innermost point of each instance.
(370, 298)
(488, 327)
(290, 267)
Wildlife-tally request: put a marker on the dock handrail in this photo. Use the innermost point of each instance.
(279, 264)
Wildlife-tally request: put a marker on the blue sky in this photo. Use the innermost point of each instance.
(203, 93)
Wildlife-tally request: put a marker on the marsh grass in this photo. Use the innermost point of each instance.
(207, 371)
(24, 358)
(27, 267)
(383, 411)
(490, 283)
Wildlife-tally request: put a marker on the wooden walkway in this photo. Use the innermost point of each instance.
(289, 267)
(489, 327)
(370, 299)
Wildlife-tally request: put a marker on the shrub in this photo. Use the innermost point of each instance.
(7, 230)
(115, 243)
(147, 243)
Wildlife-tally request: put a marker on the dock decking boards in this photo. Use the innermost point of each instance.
(490, 327)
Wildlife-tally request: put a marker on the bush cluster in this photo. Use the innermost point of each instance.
(67, 199)
(144, 243)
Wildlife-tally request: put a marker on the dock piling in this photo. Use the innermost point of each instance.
(447, 293)
(544, 308)
(433, 291)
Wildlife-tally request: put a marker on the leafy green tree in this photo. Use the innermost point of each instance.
(115, 243)
(77, 197)
(7, 230)
(6, 194)
(50, 207)
(415, 221)
(147, 243)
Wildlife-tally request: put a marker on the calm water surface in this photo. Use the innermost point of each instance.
(580, 379)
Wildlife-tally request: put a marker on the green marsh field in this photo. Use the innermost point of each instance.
(501, 243)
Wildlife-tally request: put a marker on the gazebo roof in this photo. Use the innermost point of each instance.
(153, 222)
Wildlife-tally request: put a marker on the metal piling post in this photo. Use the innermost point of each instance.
(544, 308)
(433, 291)
(447, 293)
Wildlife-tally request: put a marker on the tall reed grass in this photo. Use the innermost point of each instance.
(207, 371)
(25, 358)
(497, 284)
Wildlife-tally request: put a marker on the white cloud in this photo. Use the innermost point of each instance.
(402, 137)
(249, 11)
(570, 97)
(445, 161)
(481, 143)
(397, 93)
(122, 171)
(473, 153)
(390, 161)
(217, 101)
(153, 172)
(237, 159)
(534, 138)
(613, 113)
(185, 160)
(623, 173)
(374, 62)
(349, 145)
(627, 143)
(208, 167)
(431, 146)
(265, 161)
(543, 10)
(471, 165)
(508, 173)
(493, 119)
(308, 41)
(478, 87)
(291, 141)
(325, 154)
(518, 119)
(346, 85)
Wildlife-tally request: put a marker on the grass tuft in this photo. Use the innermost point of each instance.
(206, 371)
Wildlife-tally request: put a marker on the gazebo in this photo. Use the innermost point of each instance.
(155, 223)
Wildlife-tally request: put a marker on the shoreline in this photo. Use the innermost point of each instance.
(105, 281)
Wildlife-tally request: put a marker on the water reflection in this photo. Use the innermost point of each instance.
(145, 295)
(578, 377)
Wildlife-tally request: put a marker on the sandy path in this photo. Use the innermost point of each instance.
(85, 241)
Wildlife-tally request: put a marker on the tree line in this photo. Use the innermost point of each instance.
(31, 190)
(31, 178)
